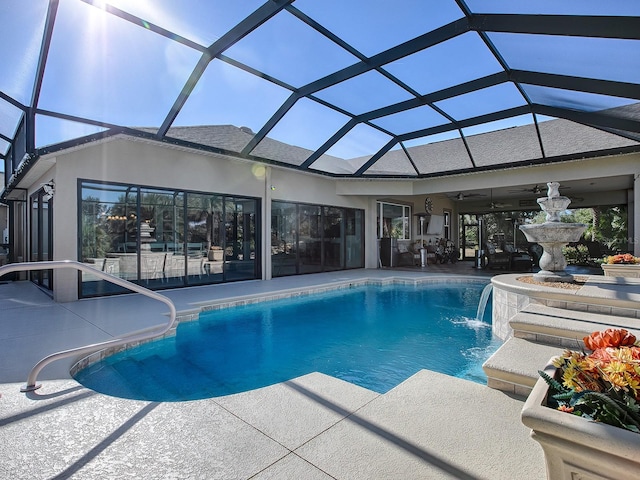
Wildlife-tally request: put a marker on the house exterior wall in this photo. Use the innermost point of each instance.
(126, 160)
(143, 162)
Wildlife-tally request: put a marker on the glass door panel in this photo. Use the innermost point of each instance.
(107, 231)
(161, 238)
(41, 237)
(333, 239)
(203, 231)
(470, 236)
(284, 225)
(310, 238)
(354, 238)
(241, 260)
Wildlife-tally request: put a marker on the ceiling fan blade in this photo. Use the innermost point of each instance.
(536, 189)
(462, 195)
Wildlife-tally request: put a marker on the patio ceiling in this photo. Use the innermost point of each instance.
(344, 88)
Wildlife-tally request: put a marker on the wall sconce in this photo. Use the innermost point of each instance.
(273, 187)
(49, 189)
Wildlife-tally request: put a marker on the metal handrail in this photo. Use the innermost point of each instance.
(140, 336)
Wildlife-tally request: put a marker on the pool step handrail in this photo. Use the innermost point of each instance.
(143, 335)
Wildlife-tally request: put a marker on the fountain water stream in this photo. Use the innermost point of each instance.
(552, 235)
(484, 300)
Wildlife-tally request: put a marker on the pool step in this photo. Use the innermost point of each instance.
(513, 368)
(131, 368)
(564, 328)
(106, 374)
(539, 333)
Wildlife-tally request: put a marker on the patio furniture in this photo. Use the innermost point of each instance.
(496, 259)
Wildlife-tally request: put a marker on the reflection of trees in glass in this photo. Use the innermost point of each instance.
(95, 235)
(164, 212)
(612, 227)
(395, 220)
(204, 217)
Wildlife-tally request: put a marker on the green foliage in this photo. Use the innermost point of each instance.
(96, 241)
(605, 226)
(552, 382)
(621, 412)
(610, 408)
(578, 255)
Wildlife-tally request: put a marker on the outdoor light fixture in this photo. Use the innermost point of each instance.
(49, 189)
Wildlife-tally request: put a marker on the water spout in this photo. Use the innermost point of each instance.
(484, 300)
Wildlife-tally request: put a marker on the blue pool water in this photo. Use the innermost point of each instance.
(372, 336)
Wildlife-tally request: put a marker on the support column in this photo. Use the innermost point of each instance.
(266, 225)
(633, 212)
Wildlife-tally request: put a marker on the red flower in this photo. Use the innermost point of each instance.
(611, 337)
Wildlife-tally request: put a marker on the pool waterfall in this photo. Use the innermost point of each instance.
(484, 300)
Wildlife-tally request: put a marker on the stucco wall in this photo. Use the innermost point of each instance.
(143, 163)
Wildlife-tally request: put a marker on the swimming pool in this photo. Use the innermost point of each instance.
(372, 336)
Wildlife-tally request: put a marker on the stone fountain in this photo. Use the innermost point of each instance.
(552, 235)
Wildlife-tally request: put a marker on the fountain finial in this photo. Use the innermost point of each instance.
(553, 203)
(553, 189)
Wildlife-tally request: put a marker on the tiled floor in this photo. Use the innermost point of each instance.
(431, 426)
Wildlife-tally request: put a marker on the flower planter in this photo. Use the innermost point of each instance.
(215, 255)
(577, 448)
(621, 270)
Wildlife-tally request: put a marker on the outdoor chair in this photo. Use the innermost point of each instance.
(497, 259)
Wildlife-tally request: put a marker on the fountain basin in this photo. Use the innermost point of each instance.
(553, 232)
(553, 206)
(552, 236)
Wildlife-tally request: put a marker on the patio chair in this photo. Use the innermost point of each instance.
(497, 259)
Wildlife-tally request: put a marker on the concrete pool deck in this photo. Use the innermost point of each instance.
(313, 427)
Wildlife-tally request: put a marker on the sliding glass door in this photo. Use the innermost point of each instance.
(165, 238)
(315, 238)
(41, 244)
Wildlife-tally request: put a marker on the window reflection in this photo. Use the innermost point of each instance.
(165, 238)
(394, 221)
(315, 238)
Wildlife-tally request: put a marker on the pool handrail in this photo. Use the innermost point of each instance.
(139, 336)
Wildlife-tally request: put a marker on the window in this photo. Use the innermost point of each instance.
(447, 224)
(394, 221)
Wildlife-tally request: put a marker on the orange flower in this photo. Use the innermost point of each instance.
(622, 258)
(611, 337)
(612, 369)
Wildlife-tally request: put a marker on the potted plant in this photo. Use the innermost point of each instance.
(215, 253)
(584, 410)
(621, 265)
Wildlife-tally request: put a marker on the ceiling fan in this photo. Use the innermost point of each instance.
(462, 195)
(493, 205)
(536, 189)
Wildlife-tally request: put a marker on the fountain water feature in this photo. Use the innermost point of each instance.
(552, 235)
(484, 300)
